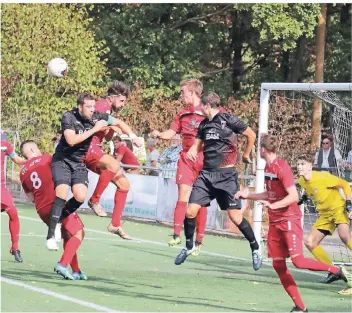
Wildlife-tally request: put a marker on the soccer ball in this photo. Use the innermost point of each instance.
(57, 68)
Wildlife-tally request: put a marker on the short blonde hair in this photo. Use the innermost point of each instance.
(194, 85)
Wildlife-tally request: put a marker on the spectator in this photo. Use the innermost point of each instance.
(168, 159)
(327, 157)
(152, 157)
(348, 167)
(123, 154)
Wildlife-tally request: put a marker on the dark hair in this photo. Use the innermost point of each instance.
(129, 144)
(212, 99)
(269, 142)
(306, 157)
(24, 143)
(84, 96)
(118, 88)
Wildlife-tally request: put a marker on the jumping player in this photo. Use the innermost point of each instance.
(7, 203)
(106, 165)
(78, 127)
(186, 124)
(218, 178)
(334, 210)
(285, 236)
(37, 183)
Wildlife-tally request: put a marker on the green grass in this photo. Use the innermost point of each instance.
(141, 276)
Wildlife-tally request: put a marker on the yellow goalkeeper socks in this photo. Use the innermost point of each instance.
(321, 255)
(349, 244)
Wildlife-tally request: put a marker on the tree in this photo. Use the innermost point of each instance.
(32, 34)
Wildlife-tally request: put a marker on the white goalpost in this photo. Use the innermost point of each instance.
(293, 100)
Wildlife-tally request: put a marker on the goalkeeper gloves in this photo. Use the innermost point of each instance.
(348, 206)
(303, 199)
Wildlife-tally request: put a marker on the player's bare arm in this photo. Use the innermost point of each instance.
(168, 134)
(18, 160)
(251, 196)
(127, 130)
(292, 197)
(30, 196)
(249, 133)
(73, 139)
(193, 151)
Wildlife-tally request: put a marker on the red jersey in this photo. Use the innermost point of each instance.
(128, 158)
(186, 124)
(6, 149)
(36, 178)
(102, 106)
(279, 177)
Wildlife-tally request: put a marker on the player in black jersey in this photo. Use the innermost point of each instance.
(218, 179)
(78, 127)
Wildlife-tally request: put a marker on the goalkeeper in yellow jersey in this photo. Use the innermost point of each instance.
(335, 211)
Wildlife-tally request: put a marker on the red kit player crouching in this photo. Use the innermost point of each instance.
(37, 182)
(285, 236)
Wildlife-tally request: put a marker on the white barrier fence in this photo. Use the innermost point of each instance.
(154, 198)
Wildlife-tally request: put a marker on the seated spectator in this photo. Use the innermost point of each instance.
(152, 157)
(327, 157)
(168, 159)
(124, 154)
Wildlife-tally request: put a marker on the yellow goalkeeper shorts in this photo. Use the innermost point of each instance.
(330, 222)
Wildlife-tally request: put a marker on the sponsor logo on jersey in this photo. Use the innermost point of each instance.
(211, 136)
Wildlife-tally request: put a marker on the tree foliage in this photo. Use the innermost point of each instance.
(32, 34)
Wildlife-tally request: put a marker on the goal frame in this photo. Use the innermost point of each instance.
(264, 108)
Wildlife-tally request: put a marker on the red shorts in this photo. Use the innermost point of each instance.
(187, 171)
(71, 224)
(92, 158)
(6, 198)
(285, 239)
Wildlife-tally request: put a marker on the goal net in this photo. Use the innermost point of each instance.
(285, 111)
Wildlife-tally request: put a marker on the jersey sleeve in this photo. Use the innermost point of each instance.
(200, 131)
(330, 181)
(176, 123)
(122, 150)
(67, 122)
(285, 175)
(237, 125)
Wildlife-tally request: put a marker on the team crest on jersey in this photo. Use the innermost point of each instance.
(193, 123)
(223, 124)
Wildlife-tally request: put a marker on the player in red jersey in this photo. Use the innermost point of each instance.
(285, 236)
(125, 155)
(107, 166)
(186, 124)
(37, 182)
(7, 203)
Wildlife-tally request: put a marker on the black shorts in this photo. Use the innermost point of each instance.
(68, 172)
(220, 184)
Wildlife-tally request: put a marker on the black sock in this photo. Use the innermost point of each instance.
(190, 226)
(71, 206)
(247, 231)
(55, 214)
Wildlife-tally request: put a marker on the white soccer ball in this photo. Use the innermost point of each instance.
(57, 67)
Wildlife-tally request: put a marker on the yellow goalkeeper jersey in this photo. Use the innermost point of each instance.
(321, 188)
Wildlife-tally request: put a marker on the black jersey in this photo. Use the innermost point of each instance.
(73, 120)
(220, 148)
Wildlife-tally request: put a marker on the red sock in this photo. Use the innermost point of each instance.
(201, 221)
(120, 201)
(14, 226)
(179, 216)
(313, 265)
(70, 249)
(288, 282)
(74, 262)
(104, 179)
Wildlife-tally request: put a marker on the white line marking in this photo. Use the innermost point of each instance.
(139, 240)
(58, 295)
